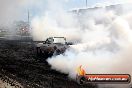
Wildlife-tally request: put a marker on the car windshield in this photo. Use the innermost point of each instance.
(59, 40)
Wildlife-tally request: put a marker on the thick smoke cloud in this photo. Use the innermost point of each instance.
(102, 37)
(16, 10)
(9, 11)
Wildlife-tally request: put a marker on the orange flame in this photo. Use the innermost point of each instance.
(81, 71)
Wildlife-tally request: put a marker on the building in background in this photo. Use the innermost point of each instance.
(22, 28)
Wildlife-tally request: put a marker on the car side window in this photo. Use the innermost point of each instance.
(49, 40)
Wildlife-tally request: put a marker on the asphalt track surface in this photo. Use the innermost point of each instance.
(20, 67)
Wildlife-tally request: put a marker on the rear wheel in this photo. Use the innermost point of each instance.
(39, 52)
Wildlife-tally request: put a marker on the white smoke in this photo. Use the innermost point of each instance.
(104, 35)
(14, 11)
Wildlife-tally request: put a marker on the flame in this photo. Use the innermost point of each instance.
(81, 71)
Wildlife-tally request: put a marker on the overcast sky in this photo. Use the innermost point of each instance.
(82, 3)
(11, 10)
(73, 4)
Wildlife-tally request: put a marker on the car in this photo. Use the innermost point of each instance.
(52, 46)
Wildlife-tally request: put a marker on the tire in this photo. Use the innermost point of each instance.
(39, 52)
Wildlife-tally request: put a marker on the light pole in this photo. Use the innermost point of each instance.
(86, 3)
(28, 18)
